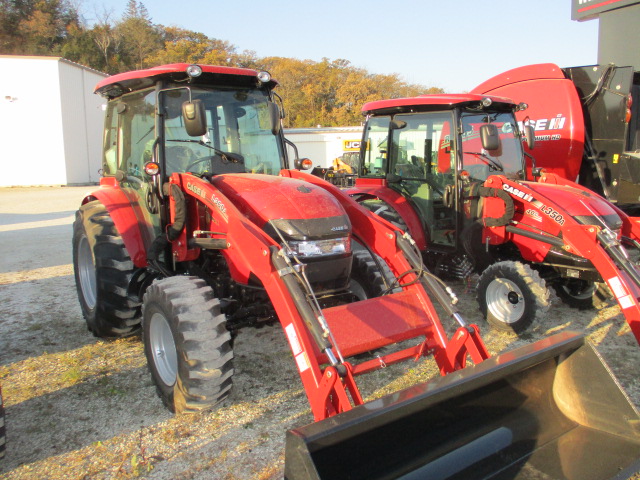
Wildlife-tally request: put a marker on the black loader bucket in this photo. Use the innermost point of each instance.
(550, 410)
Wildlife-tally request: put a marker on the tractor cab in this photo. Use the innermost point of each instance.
(431, 152)
(181, 118)
(178, 118)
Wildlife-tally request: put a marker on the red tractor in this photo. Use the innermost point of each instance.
(451, 171)
(198, 230)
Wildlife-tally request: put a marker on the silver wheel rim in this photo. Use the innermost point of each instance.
(87, 272)
(163, 349)
(505, 301)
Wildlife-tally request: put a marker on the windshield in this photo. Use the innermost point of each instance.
(375, 151)
(238, 140)
(415, 152)
(419, 146)
(480, 163)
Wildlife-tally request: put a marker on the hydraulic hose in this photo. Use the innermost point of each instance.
(610, 243)
(556, 241)
(181, 212)
(509, 208)
(429, 283)
(472, 233)
(299, 299)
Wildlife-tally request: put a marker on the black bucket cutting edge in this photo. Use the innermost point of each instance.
(549, 410)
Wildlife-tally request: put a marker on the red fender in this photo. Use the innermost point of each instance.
(120, 210)
(377, 188)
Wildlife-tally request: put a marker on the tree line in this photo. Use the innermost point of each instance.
(327, 93)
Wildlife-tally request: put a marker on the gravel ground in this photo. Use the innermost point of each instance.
(83, 408)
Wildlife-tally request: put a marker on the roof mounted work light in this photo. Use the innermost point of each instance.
(264, 77)
(194, 71)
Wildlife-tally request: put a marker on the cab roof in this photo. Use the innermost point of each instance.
(433, 102)
(121, 83)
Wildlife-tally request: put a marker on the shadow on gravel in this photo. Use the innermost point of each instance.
(95, 410)
(40, 316)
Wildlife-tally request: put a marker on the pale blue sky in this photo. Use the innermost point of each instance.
(454, 44)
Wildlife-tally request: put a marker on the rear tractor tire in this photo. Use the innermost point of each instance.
(386, 211)
(187, 345)
(103, 270)
(366, 279)
(511, 296)
(581, 294)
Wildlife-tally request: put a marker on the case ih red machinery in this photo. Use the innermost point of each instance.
(183, 239)
(586, 121)
(450, 169)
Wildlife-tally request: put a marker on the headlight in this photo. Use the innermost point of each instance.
(314, 248)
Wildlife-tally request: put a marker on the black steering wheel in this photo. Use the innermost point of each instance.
(197, 162)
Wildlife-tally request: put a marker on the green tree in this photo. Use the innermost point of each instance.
(80, 47)
(137, 37)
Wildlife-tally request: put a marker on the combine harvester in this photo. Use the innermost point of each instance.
(589, 117)
(183, 241)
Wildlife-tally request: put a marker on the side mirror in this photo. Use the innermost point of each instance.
(530, 136)
(489, 137)
(274, 118)
(195, 120)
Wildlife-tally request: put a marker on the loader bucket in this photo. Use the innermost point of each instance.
(550, 410)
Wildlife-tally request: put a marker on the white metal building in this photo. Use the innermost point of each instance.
(50, 122)
(323, 145)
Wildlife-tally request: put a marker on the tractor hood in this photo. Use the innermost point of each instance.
(585, 207)
(299, 210)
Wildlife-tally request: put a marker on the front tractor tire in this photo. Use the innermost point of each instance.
(187, 345)
(511, 296)
(103, 271)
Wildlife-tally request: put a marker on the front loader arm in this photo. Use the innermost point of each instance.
(594, 242)
(249, 250)
(620, 274)
(398, 251)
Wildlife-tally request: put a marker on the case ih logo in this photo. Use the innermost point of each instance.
(195, 189)
(517, 193)
(546, 125)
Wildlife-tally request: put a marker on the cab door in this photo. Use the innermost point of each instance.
(131, 139)
(422, 164)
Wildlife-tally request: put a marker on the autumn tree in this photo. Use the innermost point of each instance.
(35, 27)
(192, 47)
(326, 93)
